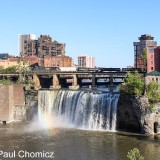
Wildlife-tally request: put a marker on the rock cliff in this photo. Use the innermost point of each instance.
(134, 114)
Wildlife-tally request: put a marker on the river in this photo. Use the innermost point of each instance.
(74, 144)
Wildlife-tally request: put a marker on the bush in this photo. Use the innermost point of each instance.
(134, 155)
(12, 69)
(134, 85)
(5, 81)
(152, 92)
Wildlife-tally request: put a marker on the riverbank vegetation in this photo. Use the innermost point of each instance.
(135, 86)
(134, 154)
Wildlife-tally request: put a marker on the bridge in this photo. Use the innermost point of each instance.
(79, 78)
(72, 80)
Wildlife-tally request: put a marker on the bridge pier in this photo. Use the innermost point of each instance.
(36, 81)
(111, 86)
(94, 82)
(55, 82)
(74, 86)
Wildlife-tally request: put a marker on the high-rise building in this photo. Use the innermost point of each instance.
(21, 39)
(86, 61)
(147, 53)
(43, 47)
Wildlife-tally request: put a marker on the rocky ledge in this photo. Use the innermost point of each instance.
(134, 114)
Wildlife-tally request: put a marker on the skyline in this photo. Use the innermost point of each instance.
(104, 30)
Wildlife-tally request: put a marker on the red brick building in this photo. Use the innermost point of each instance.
(149, 46)
(32, 60)
(60, 61)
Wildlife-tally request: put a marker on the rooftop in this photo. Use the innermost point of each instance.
(153, 73)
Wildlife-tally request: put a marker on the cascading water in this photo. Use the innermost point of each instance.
(81, 109)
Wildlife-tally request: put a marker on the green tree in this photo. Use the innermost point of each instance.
(134, 155)
(134, 84)
(144, 59)
(10, 69)
(22, 68)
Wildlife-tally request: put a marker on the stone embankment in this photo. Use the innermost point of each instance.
(135, 114)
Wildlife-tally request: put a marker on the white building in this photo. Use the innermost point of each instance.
(86, 61)
(22, 38)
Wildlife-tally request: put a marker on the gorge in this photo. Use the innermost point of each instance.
(85, 109)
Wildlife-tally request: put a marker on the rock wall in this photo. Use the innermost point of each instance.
(134, 114)
(31, 104)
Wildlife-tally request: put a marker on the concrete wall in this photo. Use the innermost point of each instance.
(18, 95)
(4, 102)
(10, 97)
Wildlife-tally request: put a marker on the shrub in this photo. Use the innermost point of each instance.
(5, 81)
(134, 155)
(12, 69)
(152, 92)
(134, 85)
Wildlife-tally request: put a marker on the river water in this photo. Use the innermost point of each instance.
(74, 144)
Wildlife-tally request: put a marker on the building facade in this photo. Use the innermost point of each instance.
(18, 61)
(42, 47)
(86, 61)
(21, 39)
(147, 53)
(58, 61)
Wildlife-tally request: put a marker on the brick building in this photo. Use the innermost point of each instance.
(43, 47)
(147, 45)
(16, 61)
(60, 61)
(32, 60)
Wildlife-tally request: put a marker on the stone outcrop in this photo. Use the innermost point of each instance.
(134, 114)
(31, 104)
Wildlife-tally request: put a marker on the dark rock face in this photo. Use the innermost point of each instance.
(133, 114)
(126, 117)
(31, 104)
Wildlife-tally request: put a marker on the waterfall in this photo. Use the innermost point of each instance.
(81, 109)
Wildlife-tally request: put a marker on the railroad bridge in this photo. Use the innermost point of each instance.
(73, 80)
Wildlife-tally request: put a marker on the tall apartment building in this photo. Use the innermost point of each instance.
(147, 44)
(86, 61)
(43, 47)
(21, 39)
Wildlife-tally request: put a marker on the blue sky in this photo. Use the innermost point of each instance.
(105, 29)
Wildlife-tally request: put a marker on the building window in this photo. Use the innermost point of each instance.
(151, 49)
(152, 68)
(151, 62)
